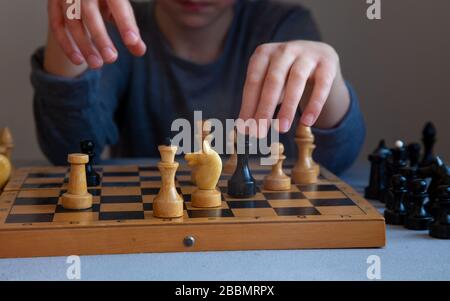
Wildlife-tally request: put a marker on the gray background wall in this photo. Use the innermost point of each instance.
(398, 65)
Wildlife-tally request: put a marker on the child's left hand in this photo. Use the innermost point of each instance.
(278, 73)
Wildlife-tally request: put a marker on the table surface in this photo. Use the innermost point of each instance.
(408, 255)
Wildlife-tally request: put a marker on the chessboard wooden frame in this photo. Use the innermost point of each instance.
(157, 235)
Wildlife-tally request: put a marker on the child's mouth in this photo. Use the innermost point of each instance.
(193, 6)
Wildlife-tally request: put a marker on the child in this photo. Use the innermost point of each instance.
(122, 85)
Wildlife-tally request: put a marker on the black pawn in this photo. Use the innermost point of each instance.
(418, 218)
(395, 203)
(440, 228)
(242, 184)
(394, 164)
(92, 177)
(428, 139)
(377, 181)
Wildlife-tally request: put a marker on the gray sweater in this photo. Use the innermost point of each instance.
(131, 104)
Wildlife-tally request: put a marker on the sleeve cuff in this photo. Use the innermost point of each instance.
(345, 131)
(73, 93)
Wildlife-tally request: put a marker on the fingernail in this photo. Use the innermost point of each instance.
(77, 58)
(284, 125)
(94, 61)
(109, 54)
(131, 38)
(308, 120)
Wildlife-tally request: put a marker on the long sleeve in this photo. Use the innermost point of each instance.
(70, 110)
(339, 147)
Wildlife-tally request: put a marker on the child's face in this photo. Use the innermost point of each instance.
(195, 13)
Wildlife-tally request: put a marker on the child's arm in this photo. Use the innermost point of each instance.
(75, 44)
(285, 73)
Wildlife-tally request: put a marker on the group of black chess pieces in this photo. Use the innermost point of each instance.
(414, 186)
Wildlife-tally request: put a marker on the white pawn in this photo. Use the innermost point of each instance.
(277, 180)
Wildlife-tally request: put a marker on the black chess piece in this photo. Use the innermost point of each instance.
(242, 184)
(394, 164)
(418, 218)
(440, 228)
(439, 173)
(395, 203)
(377, 181)
(92, 177)
(428, 139)
(410, 173)
(414, 154)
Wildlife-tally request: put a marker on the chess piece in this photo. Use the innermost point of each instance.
(377, 182)
(394, 164)
(203, 129)
(395, 203)
(230, 166)
(77, 196)
(208, 166)
(439, 173)
(242, 184)
(305, 170)
(428, 139)
(6, 143)
(440, 228)
(5, 171)
(168, 203)
(277, 180)
(417, 217)
(93, 178)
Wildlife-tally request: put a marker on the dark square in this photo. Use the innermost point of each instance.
(248, 204)
(148, 206)
(121, 174)
(121, 184)
(148, 168)
(332, 202)
(36, 201)
(297, 211)
(29, 218)
(210, 213)
(61, 209)
(46, 175)
(121, 215)
(149, 191)
(95, 192)
(315, 187)
(117, 199)
(186, 183)
(183, 172)
(43, 186)
(155, 178)
(286, 195)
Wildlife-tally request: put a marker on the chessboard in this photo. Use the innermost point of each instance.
(328, 214)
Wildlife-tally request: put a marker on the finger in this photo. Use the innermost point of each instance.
(256, 72)
(58, 28)
(274, 82)
(123, 15)
(97, 30)
(84, 42)
(298, 77)
(324, 77)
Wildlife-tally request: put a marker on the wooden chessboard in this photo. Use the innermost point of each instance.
(329, 214)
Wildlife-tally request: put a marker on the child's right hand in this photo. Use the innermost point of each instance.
(87, 40)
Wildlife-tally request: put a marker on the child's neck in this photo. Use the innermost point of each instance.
(201, 45)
